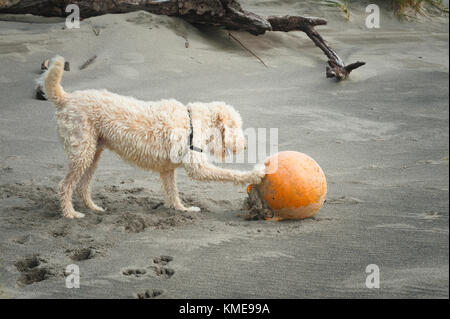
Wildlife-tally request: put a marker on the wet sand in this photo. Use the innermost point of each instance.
(381, 138)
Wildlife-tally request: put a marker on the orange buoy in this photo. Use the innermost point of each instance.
(294, 187)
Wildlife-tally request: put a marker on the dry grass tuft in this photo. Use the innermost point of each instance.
(409, 9)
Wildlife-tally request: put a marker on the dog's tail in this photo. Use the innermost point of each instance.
(51, 79)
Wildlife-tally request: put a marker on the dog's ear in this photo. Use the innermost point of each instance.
(230, 136)
(219, 136)
(228, 126)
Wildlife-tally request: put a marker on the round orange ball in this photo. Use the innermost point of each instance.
(295, 186)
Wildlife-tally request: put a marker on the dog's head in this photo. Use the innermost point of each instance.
(227, 135)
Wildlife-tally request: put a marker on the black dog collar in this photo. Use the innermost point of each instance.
(191, 135)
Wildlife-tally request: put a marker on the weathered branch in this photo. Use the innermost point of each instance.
(221, 13)
(336, 67)
(225, 13)
(88, 8)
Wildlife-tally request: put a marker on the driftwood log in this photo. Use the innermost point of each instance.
(221, 13)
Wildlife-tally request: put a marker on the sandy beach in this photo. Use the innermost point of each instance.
(381, 138)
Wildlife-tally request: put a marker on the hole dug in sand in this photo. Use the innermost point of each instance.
(256, 207)
(160, 218)
(34, 275)
(31, 272)
(82, 254)
(27, 263)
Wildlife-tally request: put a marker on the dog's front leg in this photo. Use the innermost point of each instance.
(170, 188)
(209, 172)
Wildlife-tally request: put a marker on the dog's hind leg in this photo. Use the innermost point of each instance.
(84, 186)
(81, 157)
(170, 187)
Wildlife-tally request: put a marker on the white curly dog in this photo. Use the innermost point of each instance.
(157, 136)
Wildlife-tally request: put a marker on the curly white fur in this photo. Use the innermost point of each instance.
(152, 135)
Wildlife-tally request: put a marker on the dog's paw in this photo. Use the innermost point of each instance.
(257, 175)
(97, 208)
(192, 209)
(260, 170)
(73, 215)
(255, 179)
